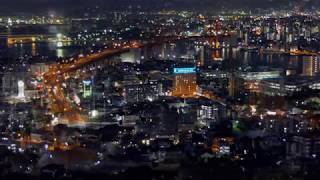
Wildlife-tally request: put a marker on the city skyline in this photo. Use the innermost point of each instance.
(63, 5)
(160, 90)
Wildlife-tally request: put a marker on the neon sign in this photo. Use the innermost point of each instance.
(184, 70)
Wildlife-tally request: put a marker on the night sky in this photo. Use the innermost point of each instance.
(15, 6)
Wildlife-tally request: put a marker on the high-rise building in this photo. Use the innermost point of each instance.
(306, 146)
(185, 82)
(310, 66)
(21, 89)
(87, 88)
(201, 56)
(210, 113)
(232, 85)
(142, 92)
(8, 83)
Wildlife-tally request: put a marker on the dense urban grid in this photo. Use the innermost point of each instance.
(137, 93)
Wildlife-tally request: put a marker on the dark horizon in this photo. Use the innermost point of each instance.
(40, 6)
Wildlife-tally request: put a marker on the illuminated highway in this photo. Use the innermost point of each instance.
(59, 103)
(71, 114)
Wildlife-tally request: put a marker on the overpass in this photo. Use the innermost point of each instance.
(59, 103)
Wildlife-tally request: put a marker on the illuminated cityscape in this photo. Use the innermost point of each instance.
(160, 89)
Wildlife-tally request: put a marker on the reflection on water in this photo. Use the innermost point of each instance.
(33, 49)
(252, 59)
(38, 49)
(303, 65)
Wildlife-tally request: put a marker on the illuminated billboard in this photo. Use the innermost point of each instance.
(184, 70)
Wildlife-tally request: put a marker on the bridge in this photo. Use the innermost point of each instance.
(72, 114)
(59, 104)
